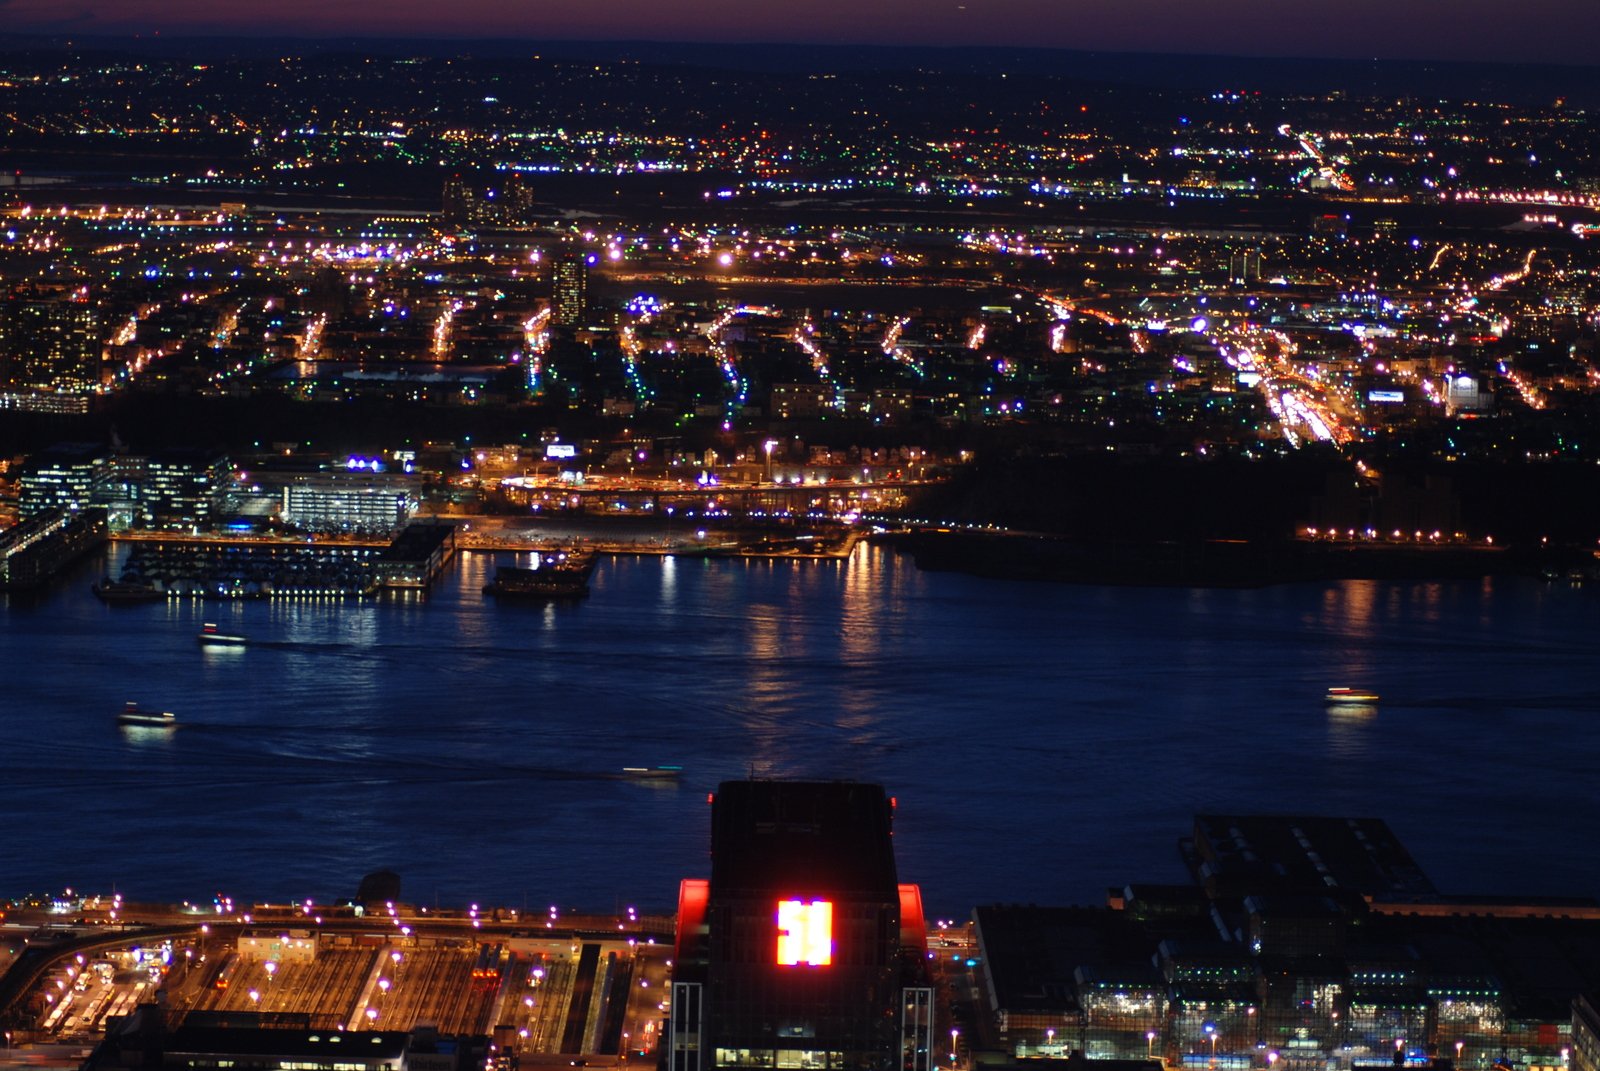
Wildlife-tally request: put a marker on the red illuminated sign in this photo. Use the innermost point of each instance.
(805, 933)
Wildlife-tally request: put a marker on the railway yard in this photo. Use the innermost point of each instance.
(540, 993)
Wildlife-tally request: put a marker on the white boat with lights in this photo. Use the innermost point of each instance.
(210, 637)
(1352, 695)
(133, 714)
(652, 773)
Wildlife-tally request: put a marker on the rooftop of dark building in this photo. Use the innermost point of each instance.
(1036, 956)
(269, 1041)
(68, 454)
(416, 542)
(781, 836)
(189, 456)
(1243, 854)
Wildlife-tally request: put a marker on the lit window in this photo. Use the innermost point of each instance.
(805, 933)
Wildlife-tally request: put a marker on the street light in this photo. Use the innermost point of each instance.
(769, 446)
(1149, 1043)
(954, 1033)
(1049, 1041)
(1459, 1046)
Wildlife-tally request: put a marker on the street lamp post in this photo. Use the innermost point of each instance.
(954, 1034)
(1050, 1041)
(1149, 1044)
(1459, 1046)
(769, 446)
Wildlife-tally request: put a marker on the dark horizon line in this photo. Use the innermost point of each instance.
(439, 45)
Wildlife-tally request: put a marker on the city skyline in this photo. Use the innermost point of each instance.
(1544, 31)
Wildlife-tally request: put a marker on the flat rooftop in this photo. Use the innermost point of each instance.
(779, 836)
(1244, 854)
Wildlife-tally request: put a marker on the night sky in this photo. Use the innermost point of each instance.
(1556, 31)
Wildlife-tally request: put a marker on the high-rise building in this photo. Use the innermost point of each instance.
(49, 342)
(569, 287)
(506, 205)
(803, 950)
(1244, 266)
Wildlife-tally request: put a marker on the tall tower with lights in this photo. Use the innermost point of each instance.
(803, 950)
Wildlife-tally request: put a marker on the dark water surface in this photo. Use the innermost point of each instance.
(1043, 741)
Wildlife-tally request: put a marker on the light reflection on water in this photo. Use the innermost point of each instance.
(1043, 741)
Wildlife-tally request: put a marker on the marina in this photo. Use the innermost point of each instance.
(193, 569)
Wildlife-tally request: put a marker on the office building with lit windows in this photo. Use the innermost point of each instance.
(335, 502)
(180, 488)
(49, 342)
(67, 477)
(569, 287)
(803, 950)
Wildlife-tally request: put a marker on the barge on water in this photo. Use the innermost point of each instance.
(558, 575)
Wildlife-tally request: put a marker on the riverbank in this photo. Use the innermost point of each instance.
(1222, 563)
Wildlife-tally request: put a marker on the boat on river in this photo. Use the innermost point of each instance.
(1351, 695)
(134, 714)
(210, 636)
(652, 773)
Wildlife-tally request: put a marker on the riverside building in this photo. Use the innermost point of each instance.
(803, 950)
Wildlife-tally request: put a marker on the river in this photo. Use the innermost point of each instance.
(1043, 741)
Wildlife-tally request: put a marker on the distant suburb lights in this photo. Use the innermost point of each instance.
(805, 933)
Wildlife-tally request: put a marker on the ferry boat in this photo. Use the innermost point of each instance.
(563, 575)
(133, 714)
(210, 637)
(652, 773)
(1351, 695)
